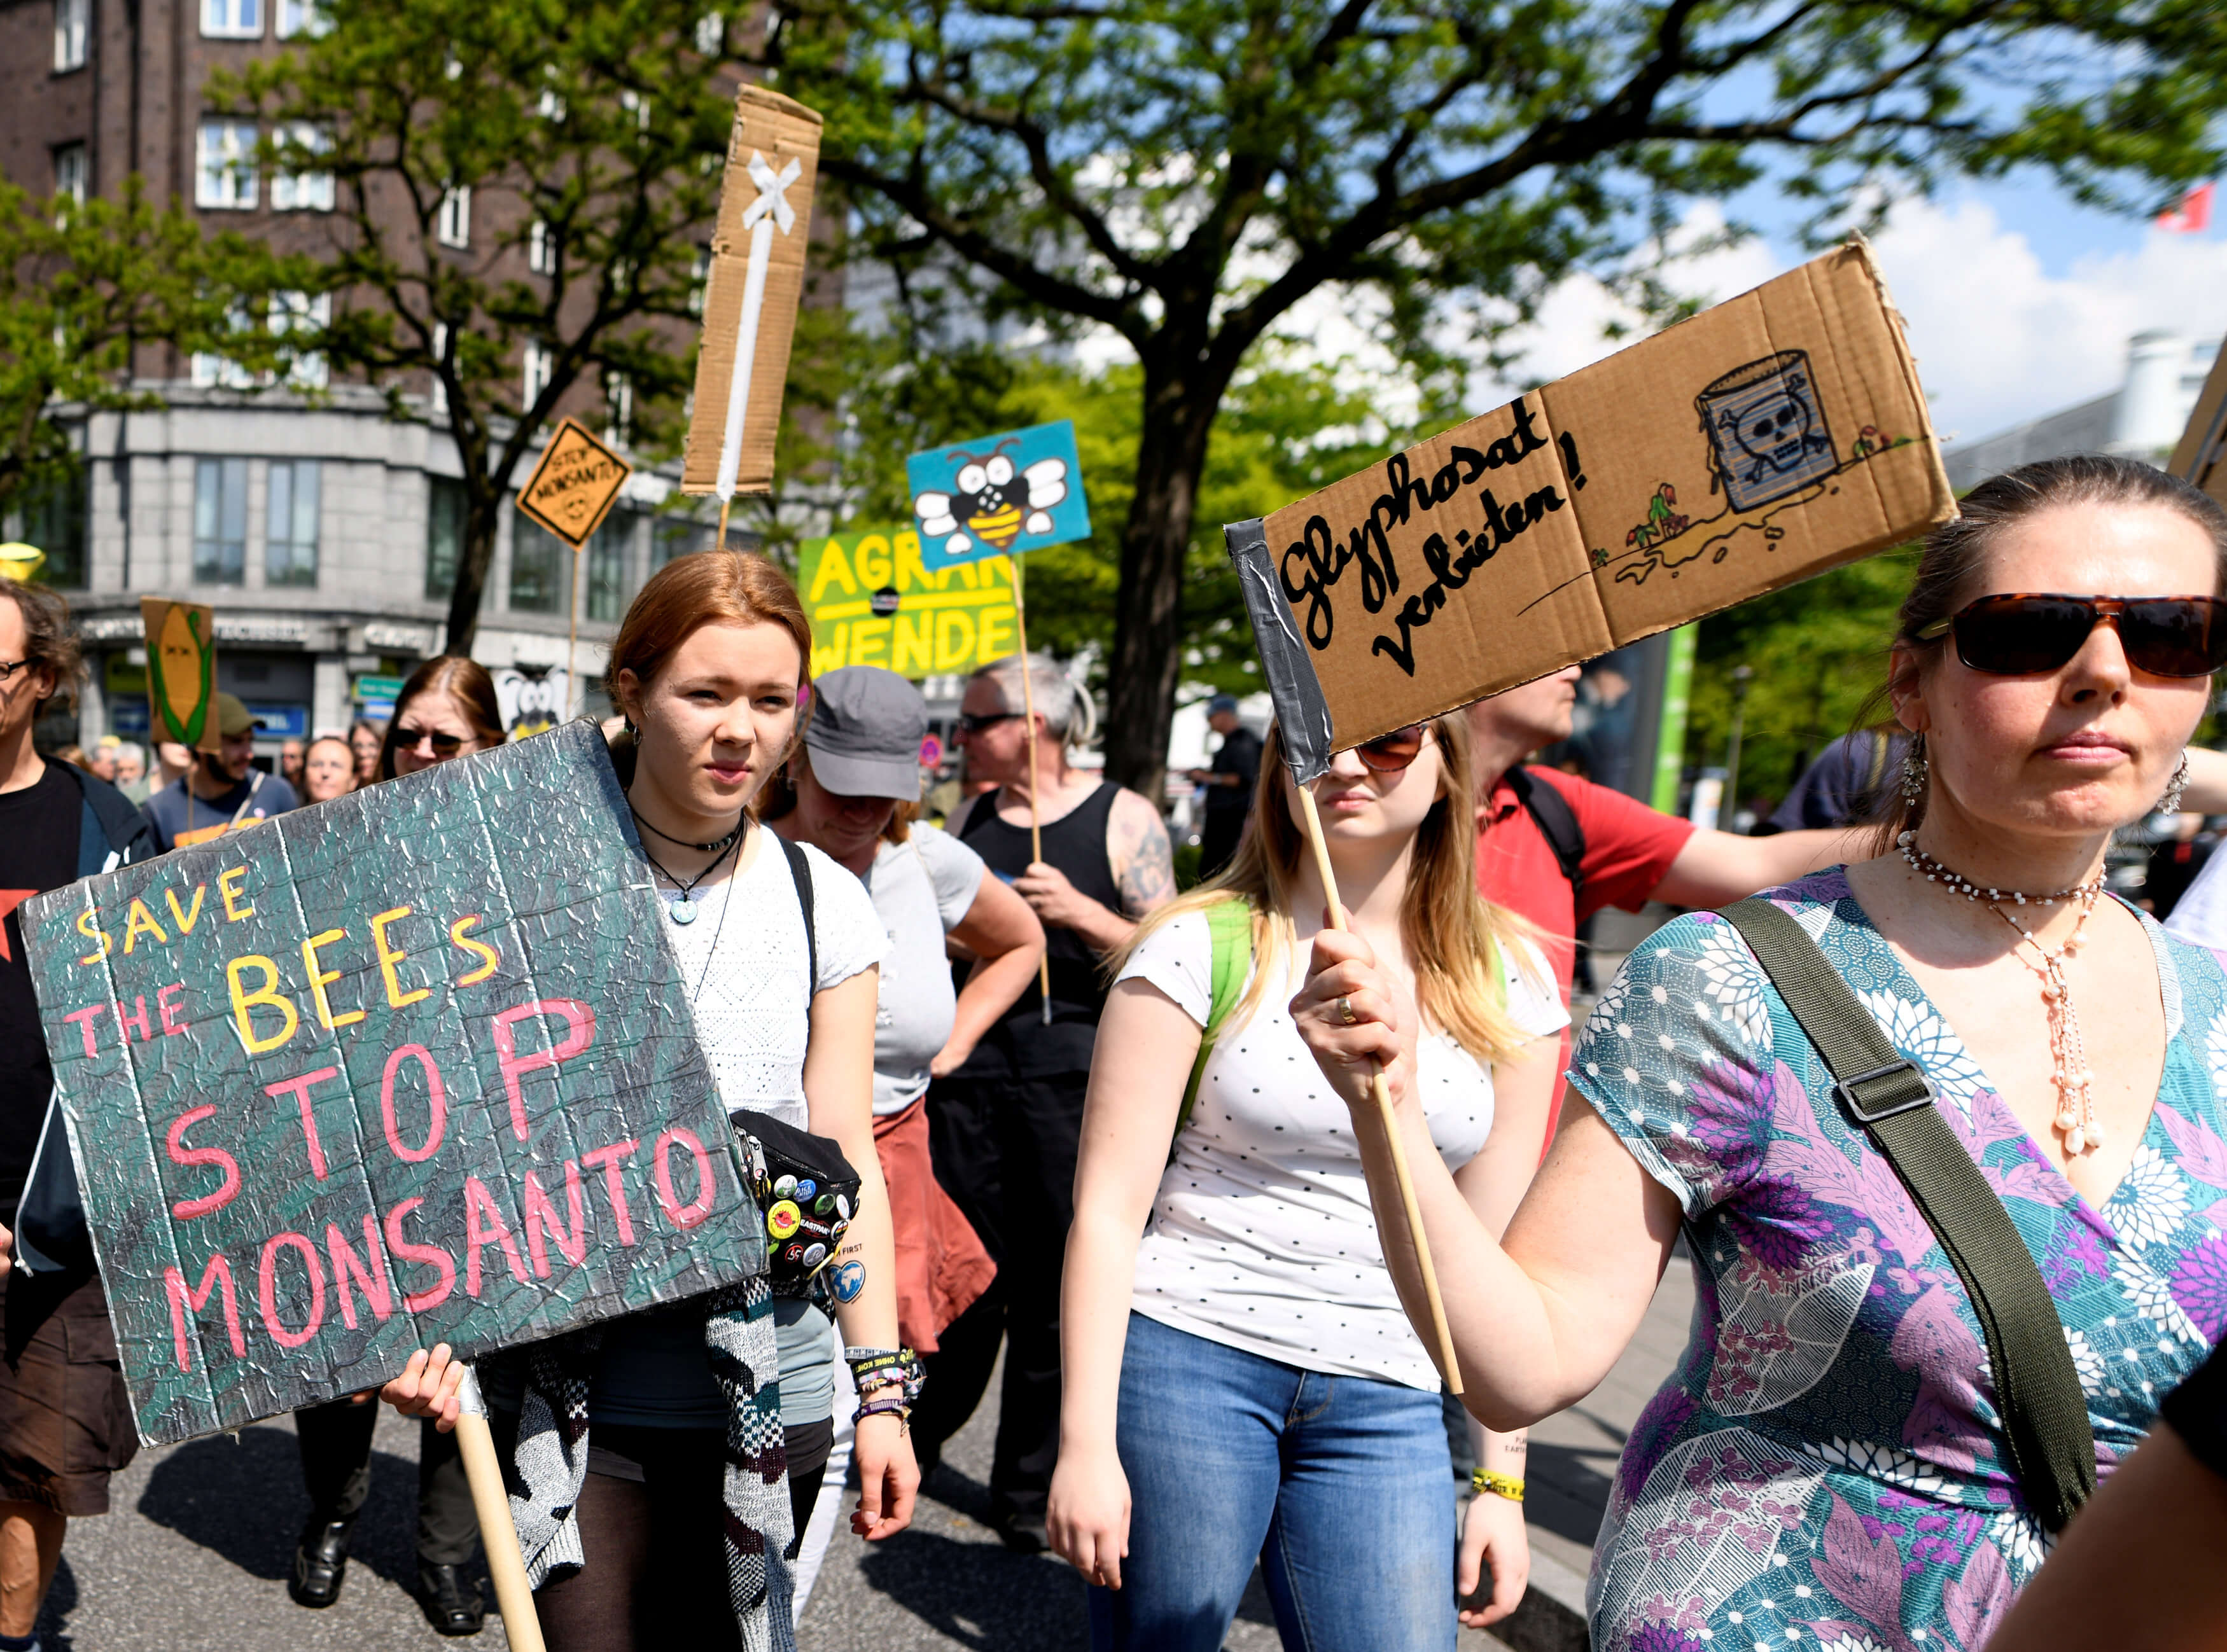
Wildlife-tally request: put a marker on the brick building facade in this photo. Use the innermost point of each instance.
(322, 531)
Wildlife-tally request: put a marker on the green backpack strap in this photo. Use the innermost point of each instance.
(1230, 923)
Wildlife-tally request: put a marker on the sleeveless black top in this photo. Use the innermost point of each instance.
(1020, 1045)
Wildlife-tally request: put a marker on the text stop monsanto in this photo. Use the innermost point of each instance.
(412, 1066)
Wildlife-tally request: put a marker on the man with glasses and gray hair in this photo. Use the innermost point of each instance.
(1003, 1128)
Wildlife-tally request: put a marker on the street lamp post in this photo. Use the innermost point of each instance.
(1742, 676)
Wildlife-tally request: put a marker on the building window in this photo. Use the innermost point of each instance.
(211, 370)
(537, 570)
(301, 312)
(71, 18)
(618, 409)
(540, 248)
(540, 363)
(53, 516)
(453, 226)
(445, 536)
(607, 564)
(675, 536)
(290, 536)
(699, 275)
(301, 17)
(223, 177)
(71, 171)
(308, 191)
(232, 19)
(436, 397)
(220, 521)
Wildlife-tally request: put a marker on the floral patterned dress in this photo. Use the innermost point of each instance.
(1825, 1467)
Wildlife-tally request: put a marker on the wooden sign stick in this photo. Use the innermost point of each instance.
(514, 1596)
(573, 640)
(1035, 831)
(1448, 1366)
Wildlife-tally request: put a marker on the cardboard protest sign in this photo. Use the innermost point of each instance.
(750, 302)
(1012, 492)
(2197, 458)
(413, 1065)
(873, 603)
(576, 484)
(1776, 435)
(181, 668)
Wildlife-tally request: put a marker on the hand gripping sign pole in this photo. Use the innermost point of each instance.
(1783, 433)
(750, 299)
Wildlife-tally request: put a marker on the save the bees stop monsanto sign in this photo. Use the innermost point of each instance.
(412, 1066)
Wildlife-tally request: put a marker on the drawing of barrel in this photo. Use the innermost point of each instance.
(1768, 429)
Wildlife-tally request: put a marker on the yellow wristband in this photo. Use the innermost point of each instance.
(1509, 1486)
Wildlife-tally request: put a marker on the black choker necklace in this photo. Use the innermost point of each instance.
(710, 848)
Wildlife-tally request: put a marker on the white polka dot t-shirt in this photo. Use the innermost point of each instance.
(1261, 1237)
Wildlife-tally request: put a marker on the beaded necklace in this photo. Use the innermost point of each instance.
(2074, 1081)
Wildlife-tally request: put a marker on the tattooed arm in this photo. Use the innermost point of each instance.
(1144, 871)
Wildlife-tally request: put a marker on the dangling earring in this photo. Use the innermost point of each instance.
(2170, 803)
(1915, 771)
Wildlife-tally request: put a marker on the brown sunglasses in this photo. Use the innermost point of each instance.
(1387, 754)
(2019, 634)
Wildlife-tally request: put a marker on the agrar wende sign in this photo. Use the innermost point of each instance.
(412, 1066)
(872, 603)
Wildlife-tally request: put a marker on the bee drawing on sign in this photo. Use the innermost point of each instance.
(992, 500)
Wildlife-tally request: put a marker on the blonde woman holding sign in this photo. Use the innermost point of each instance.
(1241, 1384)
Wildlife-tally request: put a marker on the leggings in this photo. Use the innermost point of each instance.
(650, 1515)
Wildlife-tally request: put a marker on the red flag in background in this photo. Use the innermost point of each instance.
(2193, 216)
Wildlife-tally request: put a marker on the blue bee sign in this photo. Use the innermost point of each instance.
(997, 495)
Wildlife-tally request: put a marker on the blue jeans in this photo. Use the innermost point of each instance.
(1340, 1486)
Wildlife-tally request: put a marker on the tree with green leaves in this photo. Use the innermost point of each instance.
(524, 194)
(1186, 173)
(81, 283)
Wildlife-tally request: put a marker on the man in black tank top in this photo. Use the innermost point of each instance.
(1004, 1129)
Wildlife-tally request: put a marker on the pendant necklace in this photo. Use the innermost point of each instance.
(2075, 1115)
(679, 906)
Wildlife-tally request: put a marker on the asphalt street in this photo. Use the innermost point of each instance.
(194, 1558)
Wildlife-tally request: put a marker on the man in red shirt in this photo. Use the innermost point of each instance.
(1632, 854)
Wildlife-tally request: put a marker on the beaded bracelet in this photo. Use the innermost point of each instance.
(1509, 1486)
(883, 1407)
(875, 1368)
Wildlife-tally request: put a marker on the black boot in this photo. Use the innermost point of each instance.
(320, 1562)
(452, 1604)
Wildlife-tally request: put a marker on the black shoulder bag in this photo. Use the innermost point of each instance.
(2053, 1451)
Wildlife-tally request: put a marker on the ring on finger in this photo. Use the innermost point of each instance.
(1345, 1014)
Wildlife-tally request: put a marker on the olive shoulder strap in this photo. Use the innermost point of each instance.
(2045, 1413)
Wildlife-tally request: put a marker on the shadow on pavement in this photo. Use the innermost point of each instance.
(53, 1629)
(1570, 1488)
(981, 1595)
(242, 1499)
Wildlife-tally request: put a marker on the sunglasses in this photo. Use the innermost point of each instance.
(1387, 754)
(444, 745)
(975, 722)
(2016, 635)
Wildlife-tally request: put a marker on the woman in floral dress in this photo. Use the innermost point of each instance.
(1826, 1466)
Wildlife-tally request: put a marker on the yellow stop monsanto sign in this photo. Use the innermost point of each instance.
(574, 488)
(871, 602)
